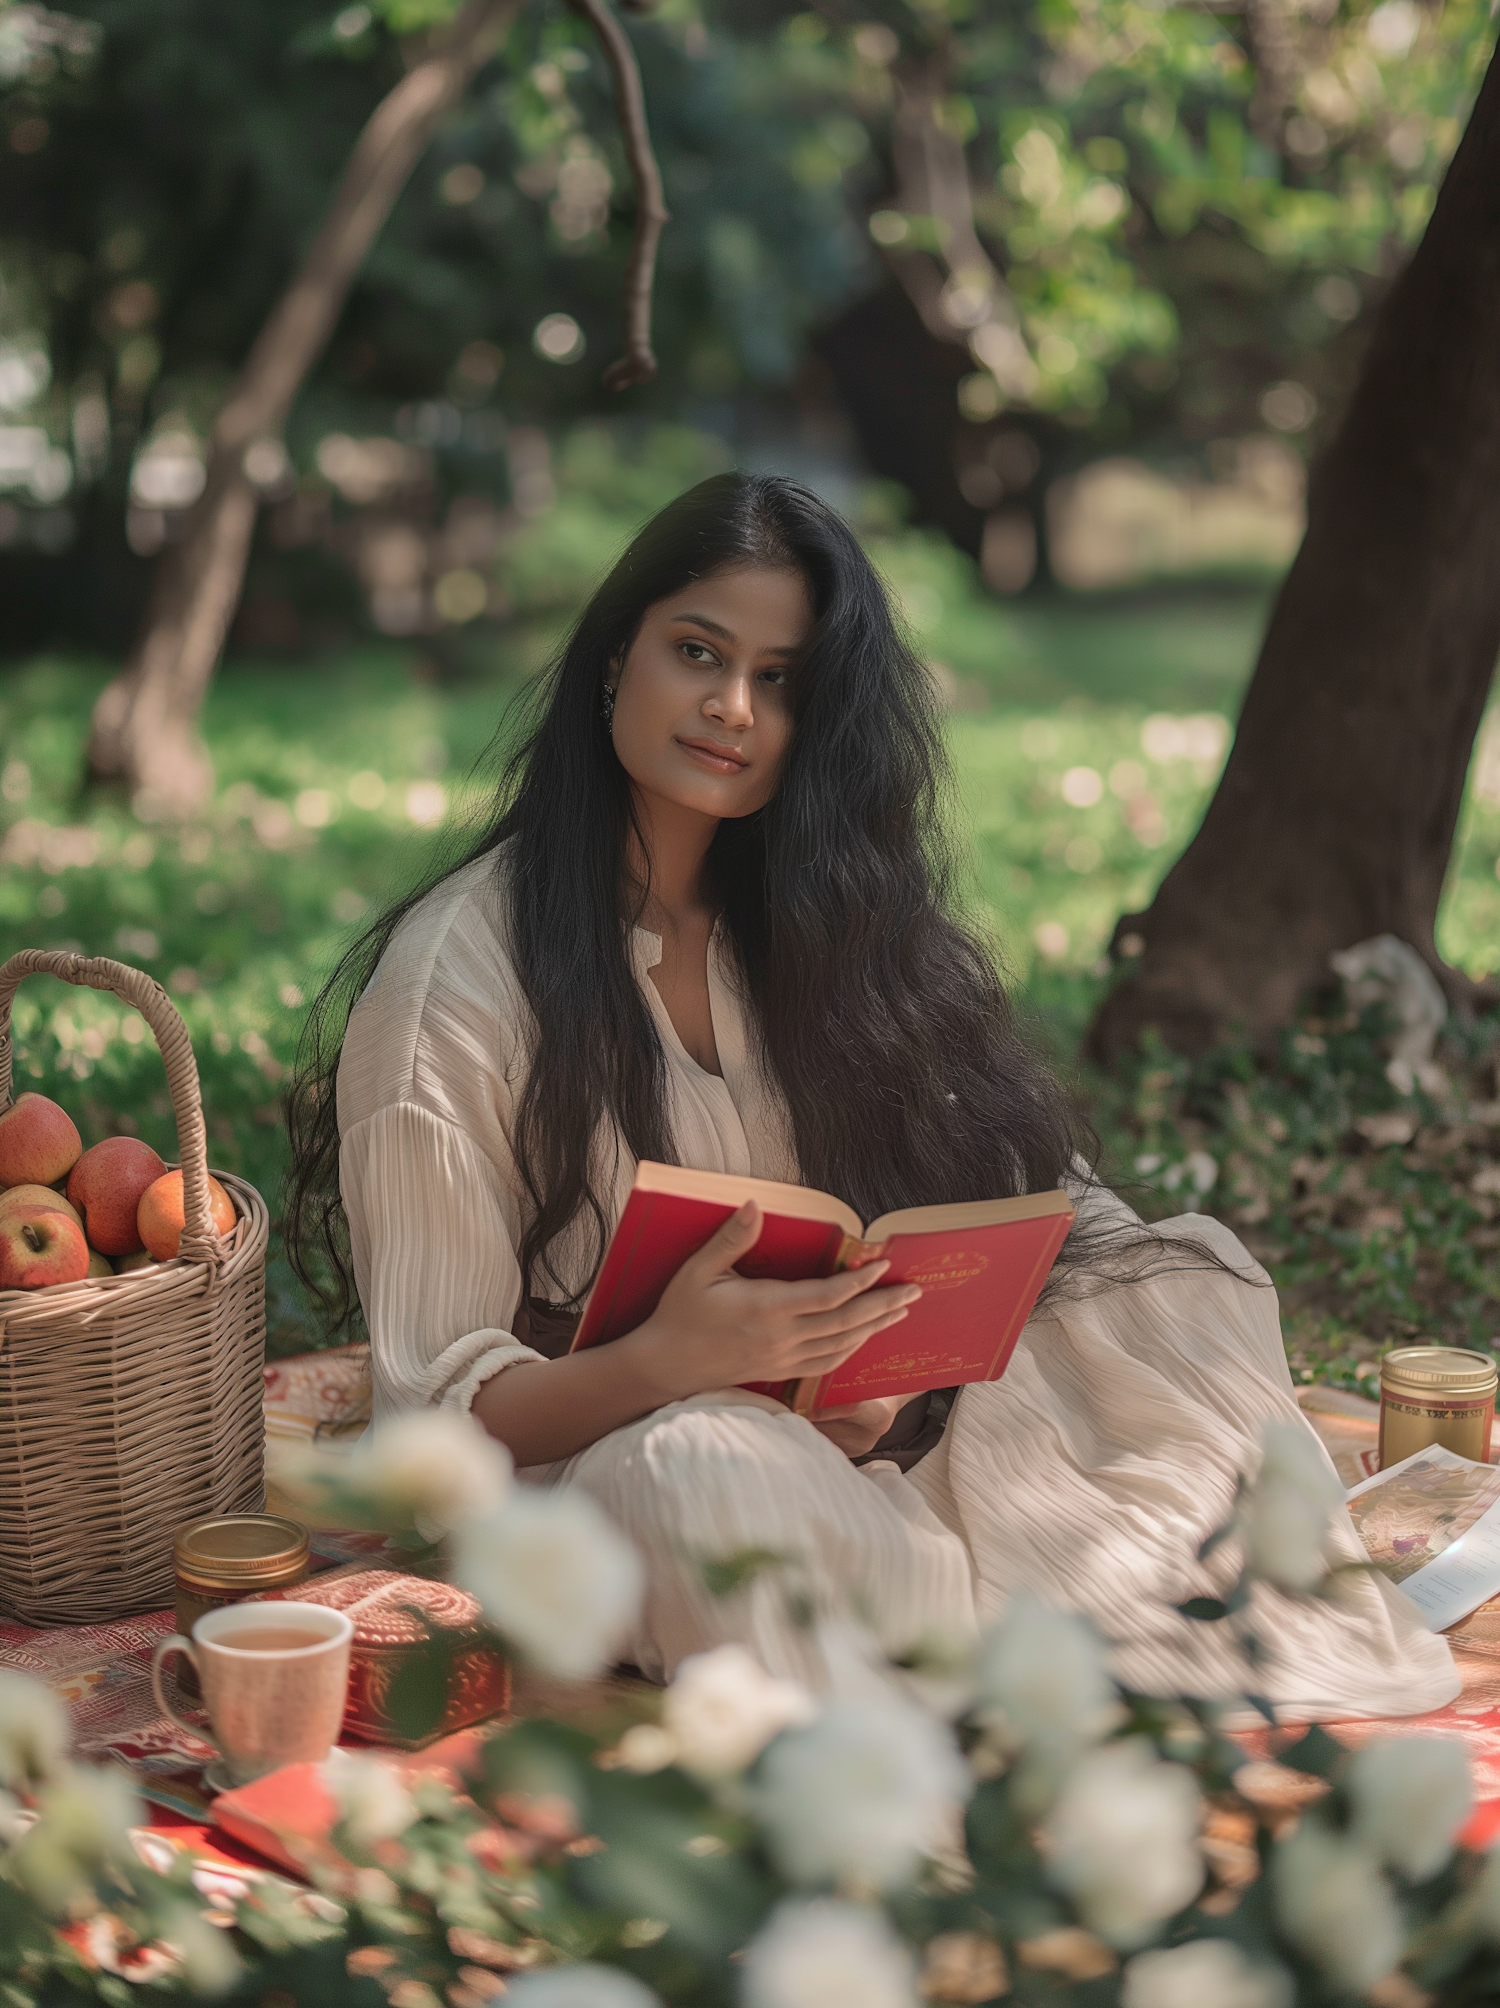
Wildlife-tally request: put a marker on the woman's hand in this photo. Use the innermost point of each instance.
(859, 1425)
(715, 1328)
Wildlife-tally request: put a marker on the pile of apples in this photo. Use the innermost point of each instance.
(67, 1212)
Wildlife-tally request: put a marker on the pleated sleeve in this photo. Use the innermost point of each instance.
(425, 1091)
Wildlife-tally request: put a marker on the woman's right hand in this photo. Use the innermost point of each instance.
(714, 1328)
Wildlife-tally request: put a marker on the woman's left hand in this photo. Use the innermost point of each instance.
(859, 1426)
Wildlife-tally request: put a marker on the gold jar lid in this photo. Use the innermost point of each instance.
(1439, 1370)
(248, 1551)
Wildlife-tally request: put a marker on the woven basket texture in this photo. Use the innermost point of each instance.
(129, 1404)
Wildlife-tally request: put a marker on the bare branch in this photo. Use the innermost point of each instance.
(960, 294)
(638, 364)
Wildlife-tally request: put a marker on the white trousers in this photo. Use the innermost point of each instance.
(1088, 1475)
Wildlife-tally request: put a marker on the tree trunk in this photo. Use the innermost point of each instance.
(1335, 816)
(145, 721)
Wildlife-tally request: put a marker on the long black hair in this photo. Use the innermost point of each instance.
(880, 1013)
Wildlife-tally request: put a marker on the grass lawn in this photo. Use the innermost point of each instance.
(1086, 739)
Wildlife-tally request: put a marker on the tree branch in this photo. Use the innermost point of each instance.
(961, 296)
(638, 364)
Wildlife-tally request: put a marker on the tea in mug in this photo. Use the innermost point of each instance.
(270, 1638)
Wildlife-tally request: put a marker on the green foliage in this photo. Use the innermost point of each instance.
(1171, 249)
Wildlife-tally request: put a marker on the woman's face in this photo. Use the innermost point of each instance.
(703, 701)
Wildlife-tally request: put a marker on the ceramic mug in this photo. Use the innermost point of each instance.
(274, 1679)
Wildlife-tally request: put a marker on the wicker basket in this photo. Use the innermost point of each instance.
(129, 1404)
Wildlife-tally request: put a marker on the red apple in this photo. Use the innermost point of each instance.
(39, 1143)
(106, 1187)
(160, 1219)
(37, 1195)
(39, 1246)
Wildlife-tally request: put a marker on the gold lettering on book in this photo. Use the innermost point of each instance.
(892, 1365)
(948, 1272)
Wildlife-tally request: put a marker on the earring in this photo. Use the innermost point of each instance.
(607, 707)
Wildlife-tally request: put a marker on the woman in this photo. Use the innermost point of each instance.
(711, 924)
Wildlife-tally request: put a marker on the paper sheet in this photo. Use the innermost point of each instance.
(1431, 1524)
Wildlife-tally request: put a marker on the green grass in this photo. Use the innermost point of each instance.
(1086, 739)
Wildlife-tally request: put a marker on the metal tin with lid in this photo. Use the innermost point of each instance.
(1436, 1394)
(401, 1624)
(228, 1556)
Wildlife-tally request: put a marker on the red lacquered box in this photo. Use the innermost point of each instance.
(399, 1620)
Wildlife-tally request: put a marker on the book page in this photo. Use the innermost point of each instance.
(1432, 1524)
(795, 1202)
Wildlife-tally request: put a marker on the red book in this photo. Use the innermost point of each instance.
(289, 1815)
(981, 1267)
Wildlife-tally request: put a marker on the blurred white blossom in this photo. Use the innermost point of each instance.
(34, 1730)
(553, 1574)
(828, 1954)
(584, 1986)
(437, 1464)
(1123, 1840)
(1044, 1673)
(1283, 1521)
(205, 1954)
(1206, 1973)
(723, 1708)
(861, 1793)
(371, 1794)
(83, 1824)
(1411, 1795)
(1336, 1907)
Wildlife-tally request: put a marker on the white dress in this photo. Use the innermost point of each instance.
(1088, 1475)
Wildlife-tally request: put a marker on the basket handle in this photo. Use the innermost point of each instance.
(200, 1242)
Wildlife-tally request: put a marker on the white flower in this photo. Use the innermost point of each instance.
(206, 1954)
(1336, 1906)
(1205, 1973)
(860, 1794)
(1411, 1795)
(435, 1463)
(585, 1986)
(1046, 1673)
(1123, 1837)
(827, 1954)
(83, 1824)
(34, 1730)
(1284, 1521)
(723, 1708)
(554, 1575)
(372, 1797)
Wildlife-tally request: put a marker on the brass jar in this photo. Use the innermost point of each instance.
(1436, 1394)
(228, 1556)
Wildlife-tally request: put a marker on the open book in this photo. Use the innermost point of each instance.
(1432, 1524)
(981, 1268)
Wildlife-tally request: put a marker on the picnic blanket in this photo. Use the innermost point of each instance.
(103, 1671)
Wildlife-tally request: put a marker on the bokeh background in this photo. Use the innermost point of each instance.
(1082, 480)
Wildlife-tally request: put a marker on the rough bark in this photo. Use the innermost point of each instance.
(144, 724)
(1335, 816)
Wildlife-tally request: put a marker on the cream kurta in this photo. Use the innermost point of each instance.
(1088, 1474)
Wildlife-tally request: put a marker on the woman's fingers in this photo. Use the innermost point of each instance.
(736, 1237)
(826, 1293)
(878, 1304)
(822, 1355)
